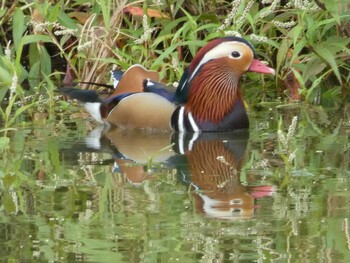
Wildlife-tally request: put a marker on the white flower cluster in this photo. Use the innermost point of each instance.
(85, 45)
(147, 31)
(233, 33)
(270, 9)
(259, 39)
(262, 164)
(231, 15)
(8, 50)
(58, 29)
(13, 85)
(285, 140)
(289, 24)
(305, 5)
(42, 26)
(158, 2)
(266, 2)
(66, 31)
(245, 12)
(292, 156)
(175, 64)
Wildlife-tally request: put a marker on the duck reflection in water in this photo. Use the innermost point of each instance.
(209, 163)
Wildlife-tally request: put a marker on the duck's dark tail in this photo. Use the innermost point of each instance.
(89, 98)
(81, 95)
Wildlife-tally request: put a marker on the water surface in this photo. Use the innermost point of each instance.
(72, 192)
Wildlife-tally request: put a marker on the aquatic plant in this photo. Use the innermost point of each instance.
(286, 150)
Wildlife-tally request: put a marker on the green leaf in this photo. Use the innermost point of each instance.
(295, 33)
(171, 26)
(298, 46)
(178, 5)
(5, 82)
(10, 106)
(285, 181)
(45, 61)
(313, 67)
(299, 78)
(2, 12)
(336, 43)
(106, 12)
(4, 143)
(35, 39)
(33, 77)
(208, 27)
(30, 39)
(314, 27)
(313, 92)
(18, 112)
(282, 53)
(328, 57)
(330, 139)
(18, 26)
(54, 12)
(331, 6)
(33, 54)
(8, 203)
(22, 74)
(332, 93)
(169, 50)
(3, 116)
(54, 154)
(66, 20)
(64, 39)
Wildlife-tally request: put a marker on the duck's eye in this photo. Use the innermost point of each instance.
(236, 54)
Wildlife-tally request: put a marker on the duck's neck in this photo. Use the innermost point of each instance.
(213, 94)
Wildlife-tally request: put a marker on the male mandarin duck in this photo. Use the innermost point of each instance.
(208, 97)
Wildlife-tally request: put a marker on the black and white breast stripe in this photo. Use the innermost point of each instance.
(183, 122)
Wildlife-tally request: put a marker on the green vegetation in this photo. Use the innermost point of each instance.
(306, 41)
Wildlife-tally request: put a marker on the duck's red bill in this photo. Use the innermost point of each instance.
(259, 67)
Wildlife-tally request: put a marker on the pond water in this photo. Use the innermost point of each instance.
(71, 192)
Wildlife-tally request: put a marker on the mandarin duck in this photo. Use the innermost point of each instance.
(208, 98)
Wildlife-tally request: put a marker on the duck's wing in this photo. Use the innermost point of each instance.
(132, 80)
(159, 88)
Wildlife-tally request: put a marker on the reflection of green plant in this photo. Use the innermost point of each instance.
(9, 116)
(26, 163)
(150, 161)
(65, 212)
(286, 150)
